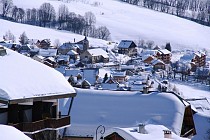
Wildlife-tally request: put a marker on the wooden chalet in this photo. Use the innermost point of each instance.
(43, 44)
(164, 55)
(158, 64)
(29, 100)
(93, 56)
(119, 77)
(127, 47)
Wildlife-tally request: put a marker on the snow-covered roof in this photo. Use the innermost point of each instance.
(38, 56)
(164, 51)
(72, 52)
(187, 57)
(152, 132)
(97, 52)
(63, 57)
(126, 67)
(116, 74)
(25, 78)
(144, 57)
(156, 61)
(149, 52)
(124, 109)
(198, 54)
(11, 133)
(125, 44)
(47, 52)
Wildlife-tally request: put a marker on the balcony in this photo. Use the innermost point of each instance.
(46, 124)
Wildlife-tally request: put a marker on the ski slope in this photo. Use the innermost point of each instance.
(131, 22)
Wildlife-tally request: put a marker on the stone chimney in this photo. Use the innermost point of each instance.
(141, 128)
(167, 134)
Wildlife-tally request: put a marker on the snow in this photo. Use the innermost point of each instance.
(164, 51)
(125, 44)
(97, 52)
(198, 96)
(11, 133)
(122, 109)
(127, 22)
(42, 33)
(23, 77)
(187, 57)
(152, 132)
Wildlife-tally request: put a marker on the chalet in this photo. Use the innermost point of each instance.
(43, 44)
(48, 52)
(29, 100)
(85, 84)
(164, 55)
(196, 59)
(38, 58)
(141, 132)
(97, 55)
(148, 59)
(158, 64)
(51, 62)
(73, 55)
(63, 59)
(119, 77)
(127, 108)
(25, 49)
(161, 54)
(66, 47)
(127, 47)
(110, 84)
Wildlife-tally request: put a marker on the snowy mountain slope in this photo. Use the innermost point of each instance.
(35, 32)
(131, 22)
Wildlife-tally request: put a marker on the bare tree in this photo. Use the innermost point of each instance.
(20, 15)
(9, 36)
(14, 12)
(90, 18)
(46, 14)
(63, 13)
(6, 7)
(23, 39)
(103, 33)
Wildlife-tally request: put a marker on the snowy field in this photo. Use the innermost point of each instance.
(130, 22)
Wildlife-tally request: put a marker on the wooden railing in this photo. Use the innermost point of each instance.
(49, 123)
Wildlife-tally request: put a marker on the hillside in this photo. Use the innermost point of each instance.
(35, 32)
(130, 22)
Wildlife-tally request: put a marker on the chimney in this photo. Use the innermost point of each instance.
(142, 128)
(167, 134)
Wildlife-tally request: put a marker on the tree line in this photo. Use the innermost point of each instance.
(63, 19)
(195, 10)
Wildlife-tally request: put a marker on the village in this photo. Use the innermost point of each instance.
(126, 67)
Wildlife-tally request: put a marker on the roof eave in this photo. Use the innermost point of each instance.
(41, 98)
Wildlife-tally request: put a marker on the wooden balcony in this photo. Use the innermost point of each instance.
(46, 124)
